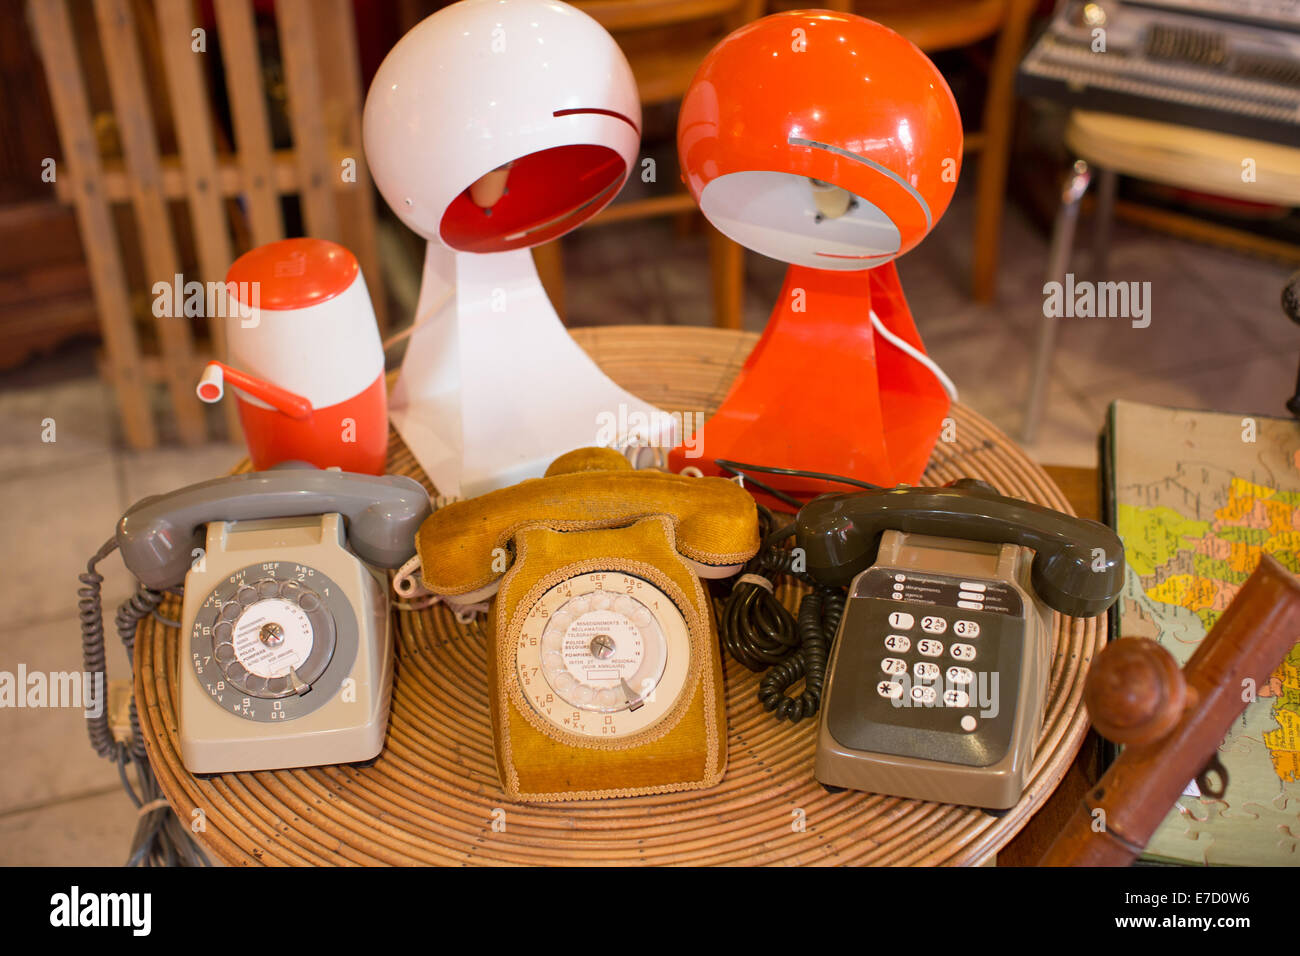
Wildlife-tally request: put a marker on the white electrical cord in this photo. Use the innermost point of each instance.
(908, 349)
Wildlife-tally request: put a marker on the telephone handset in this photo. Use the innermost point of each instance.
(937, 681)
(286, 646)
(604, 666)
(1078, 568)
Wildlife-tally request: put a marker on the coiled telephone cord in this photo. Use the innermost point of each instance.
(759, 632)
(819, 618)
(161, 839)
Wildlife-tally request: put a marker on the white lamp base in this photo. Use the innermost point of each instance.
(493, 388)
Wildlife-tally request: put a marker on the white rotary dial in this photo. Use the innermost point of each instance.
(603, 654)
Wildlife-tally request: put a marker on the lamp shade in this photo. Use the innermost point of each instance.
(529, 103)
(821, 139)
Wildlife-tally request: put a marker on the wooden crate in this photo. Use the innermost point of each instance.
(225, 196)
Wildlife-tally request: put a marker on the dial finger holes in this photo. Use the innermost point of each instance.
(608, 698)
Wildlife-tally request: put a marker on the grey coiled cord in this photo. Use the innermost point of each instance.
(160, 839)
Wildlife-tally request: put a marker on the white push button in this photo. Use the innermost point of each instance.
(889, 689)
(963, 652)
(956, 698)
(901, 620)
(892, 665)
(968, 723)
(933, 625)
(929, 648)
(970, 596)
(960, 675)
(924, 695)
(972, 586)
(899, 643)
(966, 629)
(925, 670)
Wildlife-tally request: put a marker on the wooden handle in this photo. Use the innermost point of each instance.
(1135, 692)
(1118, 817)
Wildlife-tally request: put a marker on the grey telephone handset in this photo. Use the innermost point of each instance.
(285, 655)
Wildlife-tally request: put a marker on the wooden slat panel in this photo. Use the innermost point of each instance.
(81, 168)
(306, 117)
(248, 109)
(231, 180)
(337, 46)
(192, 117)
(139, 144)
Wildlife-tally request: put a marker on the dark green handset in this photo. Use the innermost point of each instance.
(937, 682)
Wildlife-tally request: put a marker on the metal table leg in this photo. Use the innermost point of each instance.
(1067, 217)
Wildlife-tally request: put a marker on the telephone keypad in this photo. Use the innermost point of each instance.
(946, 700)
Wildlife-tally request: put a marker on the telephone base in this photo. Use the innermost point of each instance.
(223, 729)
(938, 676)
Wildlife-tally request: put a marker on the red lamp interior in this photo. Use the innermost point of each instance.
(548, 193)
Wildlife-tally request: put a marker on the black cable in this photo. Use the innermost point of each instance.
(819, 618)
(161, 838)
(759, 632)
(739, 467)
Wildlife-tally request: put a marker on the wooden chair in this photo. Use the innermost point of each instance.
(154, 57)
(937, 25)
(665, 41)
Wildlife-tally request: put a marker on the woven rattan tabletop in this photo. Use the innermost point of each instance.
(432, 796)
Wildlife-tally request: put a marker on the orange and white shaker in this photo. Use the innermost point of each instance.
(306, 362)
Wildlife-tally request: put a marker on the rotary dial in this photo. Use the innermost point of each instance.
(263, 639)
(603, 654)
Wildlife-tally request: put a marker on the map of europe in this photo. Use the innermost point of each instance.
(1199, 496)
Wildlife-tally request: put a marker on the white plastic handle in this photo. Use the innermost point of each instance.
(211, 385)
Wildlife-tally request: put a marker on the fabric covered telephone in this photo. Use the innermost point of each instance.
(604, 665)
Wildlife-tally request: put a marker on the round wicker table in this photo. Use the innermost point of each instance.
(432, 796)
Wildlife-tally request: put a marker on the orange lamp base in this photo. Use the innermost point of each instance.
(823, 391)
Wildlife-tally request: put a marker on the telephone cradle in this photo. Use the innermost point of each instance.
(937, 680)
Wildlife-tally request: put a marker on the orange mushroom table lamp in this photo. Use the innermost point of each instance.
(832, 143)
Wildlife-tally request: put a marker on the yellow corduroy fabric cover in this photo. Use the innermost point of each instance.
(685, 750)
(715, 519)
(593, 512)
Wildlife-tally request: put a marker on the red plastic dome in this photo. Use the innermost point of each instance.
(827, 97)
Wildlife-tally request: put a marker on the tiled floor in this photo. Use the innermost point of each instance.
(1217, 339)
